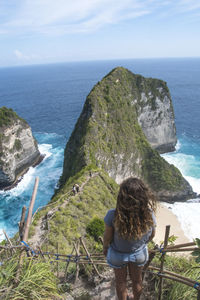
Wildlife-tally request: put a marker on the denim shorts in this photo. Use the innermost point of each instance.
(118, 260)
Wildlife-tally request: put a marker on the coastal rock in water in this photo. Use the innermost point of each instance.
(109, 134)
(18, 147)
(155, 113)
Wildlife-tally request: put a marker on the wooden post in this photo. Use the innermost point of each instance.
(57, 261)
(181, 245)
(28, 221)
(67, 265)
(77, 247)
(167, 230)
(9, 241)
(22, 223)
(40, 252)
(198, 295)
(89, 257)
(30, 210)
(47, 250)
(173, 274)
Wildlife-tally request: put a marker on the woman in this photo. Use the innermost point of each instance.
(128, 229)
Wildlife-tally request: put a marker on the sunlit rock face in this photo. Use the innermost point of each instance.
(18, 147)
(157, 120)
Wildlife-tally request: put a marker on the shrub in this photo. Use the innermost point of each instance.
(95, 228)
(180, 291)
(37, 281)
(17, 144)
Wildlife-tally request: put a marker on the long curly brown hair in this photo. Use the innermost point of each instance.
(133, 214)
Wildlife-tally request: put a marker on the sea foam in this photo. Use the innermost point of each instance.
(188, 216)
(187, 212)
(45, 149)
(48, 171)
(29, 177)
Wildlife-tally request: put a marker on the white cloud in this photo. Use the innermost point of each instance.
(24, 58)
(189, 5)
(18, 54)
(66, 16)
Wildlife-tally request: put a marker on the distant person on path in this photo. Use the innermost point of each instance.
(74, 189)
(77, 188)
(128, 229)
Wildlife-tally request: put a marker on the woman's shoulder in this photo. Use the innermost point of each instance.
(111, 212)
(109, 217)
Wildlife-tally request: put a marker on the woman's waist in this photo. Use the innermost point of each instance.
(128, 249)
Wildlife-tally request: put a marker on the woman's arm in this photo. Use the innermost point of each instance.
(152, 234)
(153, 227)
(107, 238)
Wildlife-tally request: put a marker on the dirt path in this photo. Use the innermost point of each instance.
(41, 229)
(104, 289)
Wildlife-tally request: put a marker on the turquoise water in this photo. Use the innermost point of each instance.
(51, 97)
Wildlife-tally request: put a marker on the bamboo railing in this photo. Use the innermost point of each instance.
(94, 259)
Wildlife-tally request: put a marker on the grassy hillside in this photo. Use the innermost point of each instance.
(70, 215)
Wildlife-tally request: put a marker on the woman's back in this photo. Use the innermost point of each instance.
(123, 245)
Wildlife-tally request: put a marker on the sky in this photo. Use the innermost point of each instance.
(49, 31)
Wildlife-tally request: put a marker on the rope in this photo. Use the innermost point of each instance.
(85, 259)
(197, 286)
(161, 250)
(29, 248)
(69, 257)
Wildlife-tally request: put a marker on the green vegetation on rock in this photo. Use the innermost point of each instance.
(18, 148)
(159, 174)
(7, 116)
(108, 135)
(17, 144)
(72, 213)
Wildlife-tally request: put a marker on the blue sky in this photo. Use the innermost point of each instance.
(47, 31)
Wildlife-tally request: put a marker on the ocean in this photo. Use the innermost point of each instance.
(50, 98)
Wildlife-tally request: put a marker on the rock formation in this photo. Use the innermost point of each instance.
(109, 134)
(18, 147)
(155, 112)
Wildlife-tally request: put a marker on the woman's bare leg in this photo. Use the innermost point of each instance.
(135, 273)
(120, 281)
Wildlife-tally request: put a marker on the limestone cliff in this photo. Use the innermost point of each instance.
(108, 134)
(18, 148)
(155, 112)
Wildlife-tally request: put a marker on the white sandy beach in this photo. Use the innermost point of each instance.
(164, 216)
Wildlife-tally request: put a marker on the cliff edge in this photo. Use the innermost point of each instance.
(124, 117)
(155, 112)
(18, 147)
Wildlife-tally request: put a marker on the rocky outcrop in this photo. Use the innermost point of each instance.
(18, 147)
(109, 134)
(155, 114)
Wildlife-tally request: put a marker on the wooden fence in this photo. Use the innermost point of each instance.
(94, 259)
